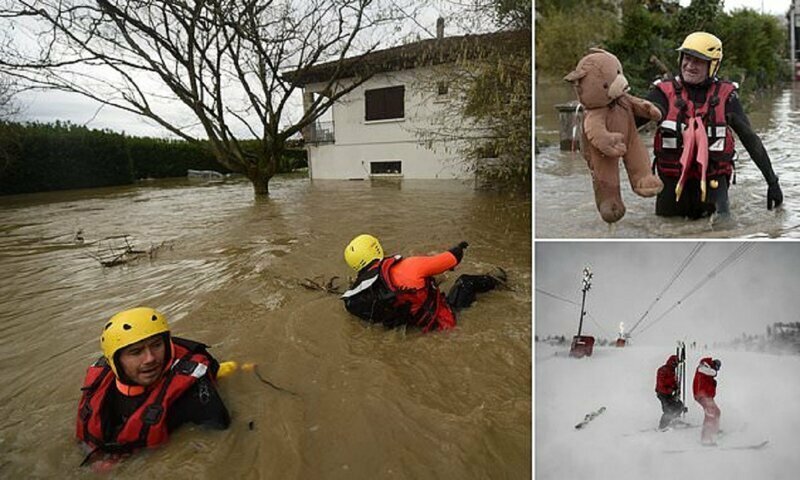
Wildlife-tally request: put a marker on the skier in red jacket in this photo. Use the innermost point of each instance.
(704, 388)
(668, 392)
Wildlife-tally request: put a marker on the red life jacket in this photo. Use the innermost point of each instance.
(375, 298)
(704, 384)
(147, 426)
(667, 144)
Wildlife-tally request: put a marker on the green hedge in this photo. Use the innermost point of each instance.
(62, 156)
(156, 158)
(754, 45)
(59, 156)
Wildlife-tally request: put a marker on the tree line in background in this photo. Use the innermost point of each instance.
(38, 157)
(499, 97)
(645, 34)
(780, 338)
(224, 62)
(486, 115)
(227, 63)
(561, 340)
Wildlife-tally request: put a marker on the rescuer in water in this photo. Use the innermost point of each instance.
(396, 291)
(693, 144)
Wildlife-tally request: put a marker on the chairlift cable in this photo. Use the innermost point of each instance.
(686, 262)
(571, 302)
(730, 260)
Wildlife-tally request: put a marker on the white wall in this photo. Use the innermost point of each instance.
(359, 142)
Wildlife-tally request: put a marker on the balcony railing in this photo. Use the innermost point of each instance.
(319, 132)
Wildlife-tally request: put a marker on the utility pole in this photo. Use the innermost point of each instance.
(792, 17)
(587, 284)
(582, 346)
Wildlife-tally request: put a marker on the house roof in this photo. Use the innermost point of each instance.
(428, 52)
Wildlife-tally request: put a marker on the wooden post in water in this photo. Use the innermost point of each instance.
(570, 119)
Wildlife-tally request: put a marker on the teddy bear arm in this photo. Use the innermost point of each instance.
(643, 108)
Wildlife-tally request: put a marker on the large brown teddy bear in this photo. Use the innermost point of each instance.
(609, 131)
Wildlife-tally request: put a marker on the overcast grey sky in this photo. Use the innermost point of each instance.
(48, 106)
(51, 106)
(777, 7)
(759, 289)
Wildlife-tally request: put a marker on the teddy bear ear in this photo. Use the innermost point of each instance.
(575, 75)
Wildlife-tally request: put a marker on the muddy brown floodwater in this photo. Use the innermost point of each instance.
(371, 403)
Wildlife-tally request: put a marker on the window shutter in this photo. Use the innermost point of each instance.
(385, 103)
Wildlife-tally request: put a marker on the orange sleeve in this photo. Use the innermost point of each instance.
(411, 272)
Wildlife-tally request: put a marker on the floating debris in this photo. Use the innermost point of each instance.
(204, 175)
(318, 283)
(119, 250)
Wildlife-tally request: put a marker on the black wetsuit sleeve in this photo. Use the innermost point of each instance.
(737, 119)
(658, 99)
(201, 405)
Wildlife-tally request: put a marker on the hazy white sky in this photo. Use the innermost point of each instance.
(759, 289)
(49, 106)
(777, 7)
(622, 443)
(53, 105)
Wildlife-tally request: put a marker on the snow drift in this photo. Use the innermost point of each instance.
(756, 392)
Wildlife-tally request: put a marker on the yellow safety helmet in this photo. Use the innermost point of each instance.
(705, 46)
(361, 251)
(129, 327)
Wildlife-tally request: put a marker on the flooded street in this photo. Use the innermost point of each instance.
(371, 403)
(565, 205)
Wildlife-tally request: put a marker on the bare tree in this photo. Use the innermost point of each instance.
(9, 132)
(222, 61)
(8, 107)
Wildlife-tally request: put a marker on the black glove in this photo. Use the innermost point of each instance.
(774, 195)
(458, 251)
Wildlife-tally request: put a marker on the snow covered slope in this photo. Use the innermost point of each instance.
(759, 395)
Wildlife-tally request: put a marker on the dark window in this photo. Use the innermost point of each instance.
(376, 168)
(441, 88)
(385, 103)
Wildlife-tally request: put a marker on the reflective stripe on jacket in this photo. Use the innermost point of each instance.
(667, 144)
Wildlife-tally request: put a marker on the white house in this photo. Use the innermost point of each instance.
(793, 17)
(377, 128)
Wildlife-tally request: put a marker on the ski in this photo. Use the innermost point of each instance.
(658, 430)
(754, 446)
(680, 352)
(679, 424)
(589, 417)
(683, 377)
